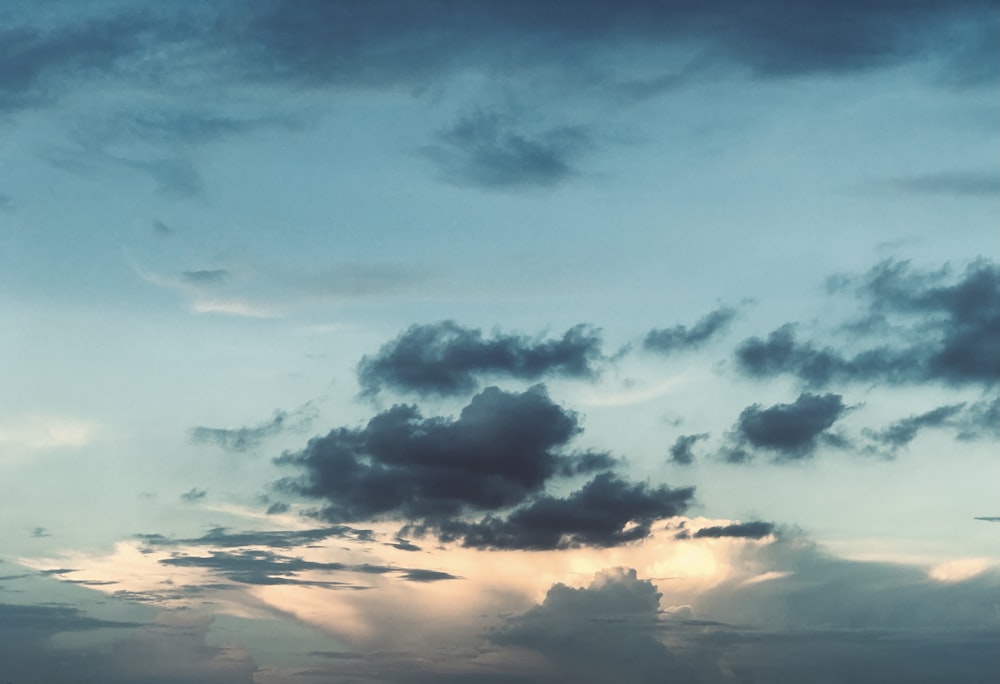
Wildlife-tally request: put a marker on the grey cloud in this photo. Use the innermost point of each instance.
(221, 537)
(953, 334)
(980, 421)
(755, 529)
(954, 184)
(258, 567)
(325, 42)
(900, 433)
(33, 60)
(206, 276)
(247, 438)
(496, 459)
(52, 619)
(161, 228)
(488, 151)
(988, 518)
(193, 494)
(682, 450)
(681, 338)
(607, 511)
(789, 432)
(40, 532)
(502, 448)
(446, 358)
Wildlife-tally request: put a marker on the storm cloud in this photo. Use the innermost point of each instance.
(952, 332)
(495, 459)
(788, 432)
(607, 511)
(446, 359)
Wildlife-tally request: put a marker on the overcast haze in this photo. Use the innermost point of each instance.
(485, 342)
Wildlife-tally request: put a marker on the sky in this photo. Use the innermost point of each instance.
(477, 342)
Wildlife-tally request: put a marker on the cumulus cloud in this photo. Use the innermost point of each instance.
(952, 332)
(607, 511)
(492, 464)
(601, 633)
(788, 432)
(446, 359)
(681, 338)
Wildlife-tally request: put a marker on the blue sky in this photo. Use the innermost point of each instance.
(479, 341)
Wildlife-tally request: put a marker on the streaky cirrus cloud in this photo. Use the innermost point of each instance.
(899, 434)
(447, 359)
(247, 438)
(682, 338)
(950, 332)
(787, 432)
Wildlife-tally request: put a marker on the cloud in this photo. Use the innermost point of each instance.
(602, 633)
(442, 475)
(247, 438)
(953, 184)
(952, 332)
(259, 567)
(221, 537)
(755, 529)
(682, 450)
(682, 338)
(193, 495)
(988, 518)
(389, 43)
(447, 359)
(789, 432)
(40, 532)
(502, 448)
(900, 433)
(487, 150)
(607, 511)
(206, 276)
(981, 420)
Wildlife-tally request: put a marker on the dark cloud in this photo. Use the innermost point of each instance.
(51, 619)
(988, 518)
(268, 568)
(681, 338)
(955, 184)
(247, 438)
(951, 333)
(34, 60)
(193, 495)
(607, 511)
(40, 532)
(439, 475)
(682, 450)
(489, 151)
(446, 358)
(221, 537)
(789, 432)
(391, 42)
(755, 529)
(900, 433)
(502, 448)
